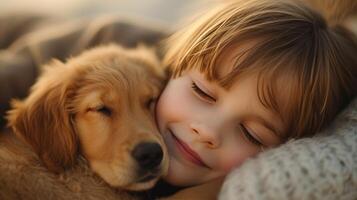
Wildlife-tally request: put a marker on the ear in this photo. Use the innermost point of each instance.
(44, 122)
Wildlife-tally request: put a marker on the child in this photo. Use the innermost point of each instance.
(248, 76)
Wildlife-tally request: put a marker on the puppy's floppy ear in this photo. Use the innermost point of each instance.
(43, 119)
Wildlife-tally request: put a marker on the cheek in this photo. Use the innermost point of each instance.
(230, 162)
(93, 133)
(235, 156)
(172, 106)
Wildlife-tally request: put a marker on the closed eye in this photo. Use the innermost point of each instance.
(102, 109)
(202, 94)
(250, 136)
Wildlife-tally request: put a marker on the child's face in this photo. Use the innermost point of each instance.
(208, 129)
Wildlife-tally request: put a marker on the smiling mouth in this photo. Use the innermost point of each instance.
(187, 152)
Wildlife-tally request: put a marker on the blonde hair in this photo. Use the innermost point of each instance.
(290, 40)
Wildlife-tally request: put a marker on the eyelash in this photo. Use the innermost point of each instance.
(202, 93)
(249, 136)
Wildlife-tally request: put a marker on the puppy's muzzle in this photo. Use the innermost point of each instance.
(148, 156)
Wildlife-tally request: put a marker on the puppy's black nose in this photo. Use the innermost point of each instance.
(148, 155)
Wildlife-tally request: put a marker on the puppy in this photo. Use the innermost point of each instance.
(94, 110)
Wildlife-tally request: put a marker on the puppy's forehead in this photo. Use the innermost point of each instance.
(92, 99)
(127, 75)
(114, 68)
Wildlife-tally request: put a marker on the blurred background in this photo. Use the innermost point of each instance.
(164, 11)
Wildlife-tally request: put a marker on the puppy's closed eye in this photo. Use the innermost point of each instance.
(102, 109)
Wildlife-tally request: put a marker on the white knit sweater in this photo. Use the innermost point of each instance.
(322, 167)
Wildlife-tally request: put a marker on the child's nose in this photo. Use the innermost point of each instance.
(206, 135)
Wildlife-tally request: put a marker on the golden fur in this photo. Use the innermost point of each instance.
(90, 111)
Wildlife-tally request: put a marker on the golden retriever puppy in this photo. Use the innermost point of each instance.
(94, 110)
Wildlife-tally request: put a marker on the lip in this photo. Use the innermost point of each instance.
(187, 152)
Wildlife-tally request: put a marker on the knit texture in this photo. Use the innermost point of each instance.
(322, 167)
